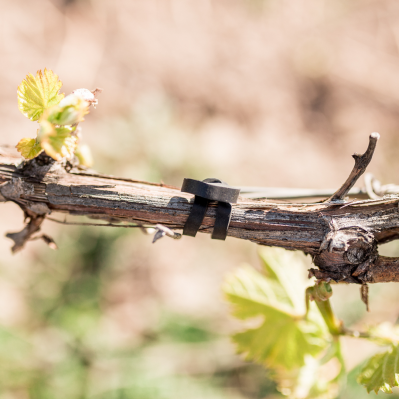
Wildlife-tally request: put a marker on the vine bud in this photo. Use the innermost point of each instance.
(322, 291)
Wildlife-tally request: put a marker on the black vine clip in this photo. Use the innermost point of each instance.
(206, 191)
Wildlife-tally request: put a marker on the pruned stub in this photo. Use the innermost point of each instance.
(346, 254)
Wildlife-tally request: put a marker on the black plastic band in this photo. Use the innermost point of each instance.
(211, 189)
(206, 191)
(195, 217)
(222, 221)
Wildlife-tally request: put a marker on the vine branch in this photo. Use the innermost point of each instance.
(342, 237)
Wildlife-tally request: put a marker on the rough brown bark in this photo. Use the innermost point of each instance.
(342, 237)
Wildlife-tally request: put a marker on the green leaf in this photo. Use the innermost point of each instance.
(381, 372)
(284, 337)
(69, 111)
(286, 270)
(281, 341)
(57, 142)
(37, 93)
(29, 148)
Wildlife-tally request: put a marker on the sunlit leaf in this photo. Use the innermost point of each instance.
(285, 269)
(284, 338)
(57, 142)
(281, 341)
(37, 93)
(381, 373)
(29, 148)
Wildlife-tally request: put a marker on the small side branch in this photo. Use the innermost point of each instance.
(361, 163)
(20, 238)
(162, 231)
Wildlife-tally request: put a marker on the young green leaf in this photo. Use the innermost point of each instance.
(57, 142)
(284, 338)
(381, 372)
(281, 341)
(37, 93)
(29, 148)
(69, 111)
(285, 269)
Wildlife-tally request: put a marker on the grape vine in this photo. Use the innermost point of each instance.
(58, 116)
(299, 332)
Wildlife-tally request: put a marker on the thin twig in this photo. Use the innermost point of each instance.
(47, 239)
(162, 231)
(96, 224)
(126, 226)
(361, 163)
(91, 173)
(362, 334)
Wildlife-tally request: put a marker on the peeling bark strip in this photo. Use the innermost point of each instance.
(342, 237)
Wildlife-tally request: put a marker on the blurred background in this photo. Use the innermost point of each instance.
(255, 92)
